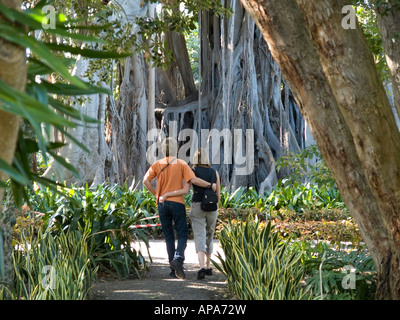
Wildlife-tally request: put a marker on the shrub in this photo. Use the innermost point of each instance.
(300, 197)
(336, 263)
(307, 165)
(108, 214)
(239, 198)
(333, 224)
(257, 264)
(334, 231)
(26, 221)
(51, 267)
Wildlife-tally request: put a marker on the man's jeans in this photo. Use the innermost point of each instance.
(173, 214)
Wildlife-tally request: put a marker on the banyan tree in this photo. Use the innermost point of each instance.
(241, 108)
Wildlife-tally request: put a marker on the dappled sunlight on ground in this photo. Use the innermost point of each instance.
(157, 284)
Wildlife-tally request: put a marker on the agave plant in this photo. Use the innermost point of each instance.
(257, 264)
(52, 268)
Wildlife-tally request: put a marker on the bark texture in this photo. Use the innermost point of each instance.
(241, 88)
(117, 145)
(127, 124)
(335, 82)
(131, 115)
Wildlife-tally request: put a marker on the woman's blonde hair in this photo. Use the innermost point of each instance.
(201, 158)
(169, 147)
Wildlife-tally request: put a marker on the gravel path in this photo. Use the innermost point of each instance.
(157, 284)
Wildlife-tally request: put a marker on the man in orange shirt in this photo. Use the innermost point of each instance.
(170, 173)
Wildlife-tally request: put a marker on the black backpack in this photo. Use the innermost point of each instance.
(210, 199)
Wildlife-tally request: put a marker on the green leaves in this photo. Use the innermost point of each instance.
(334, 270)
(94, 54)
(39, 105)
(367, 14)
(180, 17)
(257, 264)
(260, 266)
(71, 90)
(307, 165)
(108, 213)
(44, 272)
(12, 172)
(29, 108)
(19, 37)
(296, 196)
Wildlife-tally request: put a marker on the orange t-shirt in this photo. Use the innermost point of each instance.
(171, 178)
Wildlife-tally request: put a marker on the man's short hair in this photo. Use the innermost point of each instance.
(169, 147)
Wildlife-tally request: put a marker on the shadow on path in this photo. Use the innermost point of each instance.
(157, 284)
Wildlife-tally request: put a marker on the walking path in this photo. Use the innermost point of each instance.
(157, 284)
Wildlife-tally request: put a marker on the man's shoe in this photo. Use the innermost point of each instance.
(178, 267)
(209, 272)
(201, 274)
(172, 274)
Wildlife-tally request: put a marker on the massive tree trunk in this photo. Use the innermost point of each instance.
(131, 115)
(241, 89)
(13, 72)
(128, 124)
(336, 85)
(177, 44)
